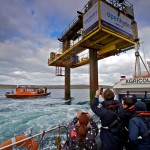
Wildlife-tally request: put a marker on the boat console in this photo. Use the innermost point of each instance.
(138, 88)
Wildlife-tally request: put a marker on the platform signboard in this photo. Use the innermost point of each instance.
(90, 19)
(109, 16)
(115, 20)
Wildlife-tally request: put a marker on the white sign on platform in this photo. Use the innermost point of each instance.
(90, 19)
(115, 20)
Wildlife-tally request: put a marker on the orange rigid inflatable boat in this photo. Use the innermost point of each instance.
(28, 144)
(27, 92)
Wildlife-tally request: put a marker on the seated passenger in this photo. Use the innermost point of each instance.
(111, 114)
(129, 111)
(12, 91)
(82, 136)
(46, 90)
(139, 126)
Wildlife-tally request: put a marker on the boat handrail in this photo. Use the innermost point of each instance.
(38, 135)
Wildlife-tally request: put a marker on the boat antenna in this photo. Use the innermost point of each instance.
(137, 72)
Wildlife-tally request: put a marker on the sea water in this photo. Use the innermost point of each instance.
(32, 116)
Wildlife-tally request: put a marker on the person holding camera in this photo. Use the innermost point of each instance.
(82, 136)
(110, 113)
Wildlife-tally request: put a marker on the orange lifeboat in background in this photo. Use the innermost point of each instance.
(27, 92)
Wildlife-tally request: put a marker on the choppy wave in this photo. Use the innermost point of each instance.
(31, 116)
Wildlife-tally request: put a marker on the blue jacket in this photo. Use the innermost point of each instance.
(110, 138)
(89, 142)
(137, 128)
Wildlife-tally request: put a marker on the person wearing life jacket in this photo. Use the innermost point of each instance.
(110, 112)
(129, 111)
(139, 128)
(82, 136)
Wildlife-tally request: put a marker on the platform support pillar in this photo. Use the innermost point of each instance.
(67, 83)
(66, 45)
(93, 73)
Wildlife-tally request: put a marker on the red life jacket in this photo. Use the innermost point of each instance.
(112, 106)
(130, 109)
(143, 113)
(73, 133)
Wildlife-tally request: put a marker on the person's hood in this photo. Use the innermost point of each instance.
(140, 106)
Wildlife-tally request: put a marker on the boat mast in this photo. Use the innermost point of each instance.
(137, 71)
(137, 61)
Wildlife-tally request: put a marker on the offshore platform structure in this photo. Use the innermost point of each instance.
(103, 28)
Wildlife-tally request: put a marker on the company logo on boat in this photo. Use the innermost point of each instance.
(141, 80)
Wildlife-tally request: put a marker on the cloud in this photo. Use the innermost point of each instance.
(141, 11)
(29, 31)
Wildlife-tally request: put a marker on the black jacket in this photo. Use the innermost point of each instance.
(110, 137)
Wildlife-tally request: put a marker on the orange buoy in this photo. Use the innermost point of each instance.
(29, 144)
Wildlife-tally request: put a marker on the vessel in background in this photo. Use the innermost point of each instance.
(27, 92)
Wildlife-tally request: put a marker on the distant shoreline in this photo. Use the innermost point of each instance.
(82, 86)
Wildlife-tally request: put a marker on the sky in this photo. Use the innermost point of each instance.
(28, 34)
